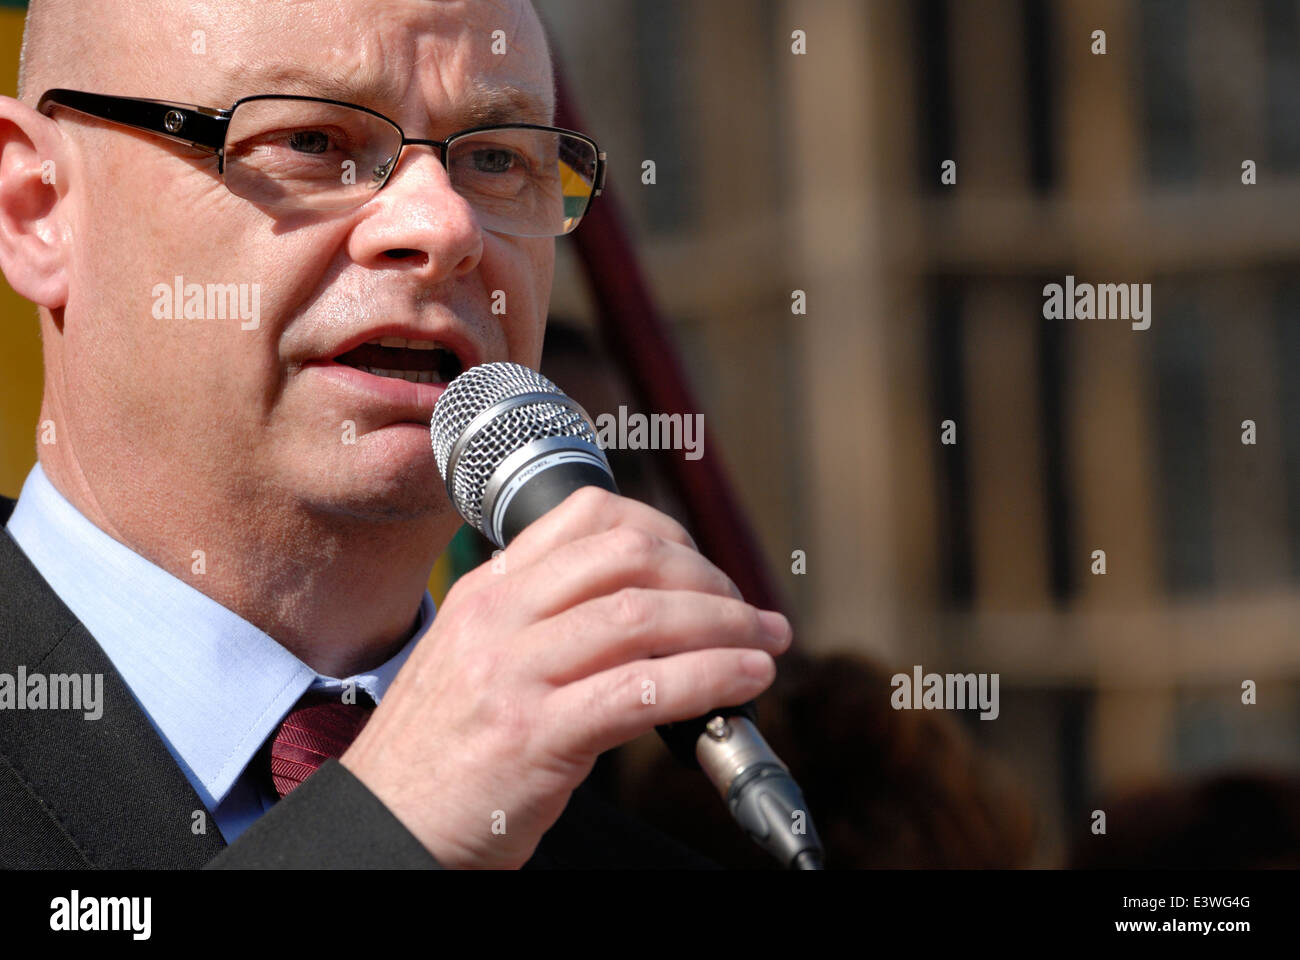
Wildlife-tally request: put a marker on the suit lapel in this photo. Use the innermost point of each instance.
(110, 783)
(118, 799)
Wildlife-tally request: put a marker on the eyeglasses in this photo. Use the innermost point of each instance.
(308, 153)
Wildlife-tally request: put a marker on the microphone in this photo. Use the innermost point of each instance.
(510, 446)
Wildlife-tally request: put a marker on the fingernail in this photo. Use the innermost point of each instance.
(756, 663)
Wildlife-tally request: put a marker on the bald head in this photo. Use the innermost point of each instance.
(123, 46)
(64, 43)
(43, 21)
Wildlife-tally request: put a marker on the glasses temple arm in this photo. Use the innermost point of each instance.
(183, 123)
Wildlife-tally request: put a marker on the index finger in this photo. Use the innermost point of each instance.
(587, 511)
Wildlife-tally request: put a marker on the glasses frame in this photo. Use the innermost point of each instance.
(205, 128)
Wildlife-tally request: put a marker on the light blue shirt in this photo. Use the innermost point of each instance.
(214, 686)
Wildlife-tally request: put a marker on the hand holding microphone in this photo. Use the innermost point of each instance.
(527, 675)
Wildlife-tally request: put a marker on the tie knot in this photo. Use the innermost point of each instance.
(318, 728)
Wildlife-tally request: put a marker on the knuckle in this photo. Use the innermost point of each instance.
(709, 675)
(590, 500)
(617, 691)
(632, 609)
(632, 542)
(625, 685)
(740, 618)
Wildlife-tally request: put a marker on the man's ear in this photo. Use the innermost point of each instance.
(33, 228)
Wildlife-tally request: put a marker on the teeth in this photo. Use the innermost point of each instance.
(403, 343)
(413, 376)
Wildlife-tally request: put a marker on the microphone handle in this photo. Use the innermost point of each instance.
(682, 736)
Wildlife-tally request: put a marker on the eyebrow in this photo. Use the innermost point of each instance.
(486, 104)
(505, 104)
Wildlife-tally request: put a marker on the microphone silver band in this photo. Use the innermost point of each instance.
(490, 413)
(524, 464)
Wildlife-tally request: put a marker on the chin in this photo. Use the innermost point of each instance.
(387, 476)
(419, 505)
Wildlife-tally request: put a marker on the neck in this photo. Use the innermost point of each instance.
(338, 591)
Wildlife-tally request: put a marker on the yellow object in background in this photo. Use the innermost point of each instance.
(20, 342)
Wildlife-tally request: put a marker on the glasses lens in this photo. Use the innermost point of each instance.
(526, 183)
(308, 155)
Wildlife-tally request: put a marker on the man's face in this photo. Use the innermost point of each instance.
(256, 413)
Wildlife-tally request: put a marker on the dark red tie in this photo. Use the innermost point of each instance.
(319, 727)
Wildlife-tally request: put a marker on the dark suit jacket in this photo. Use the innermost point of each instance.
(77, 793)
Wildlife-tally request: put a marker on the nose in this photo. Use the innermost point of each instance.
(418, 222)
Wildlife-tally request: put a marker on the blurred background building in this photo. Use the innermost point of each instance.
(819, 172)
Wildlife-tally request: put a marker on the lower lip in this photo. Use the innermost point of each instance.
(403, 395)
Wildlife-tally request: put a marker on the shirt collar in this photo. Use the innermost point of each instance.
(214, 686)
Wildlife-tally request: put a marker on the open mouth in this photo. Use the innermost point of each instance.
(418, 361)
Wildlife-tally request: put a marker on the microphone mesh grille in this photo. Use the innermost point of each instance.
(469, 395)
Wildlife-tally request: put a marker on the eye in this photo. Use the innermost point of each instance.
(493, 160)
(309, 141)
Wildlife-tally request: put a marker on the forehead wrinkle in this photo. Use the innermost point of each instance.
(487, 102)
(367, 89)
(388, 81)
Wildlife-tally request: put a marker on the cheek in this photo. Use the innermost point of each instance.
(524, 269)
(179, 367)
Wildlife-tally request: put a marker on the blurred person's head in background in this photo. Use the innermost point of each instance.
(1238, 820)
(238, 438)
(893, 789)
